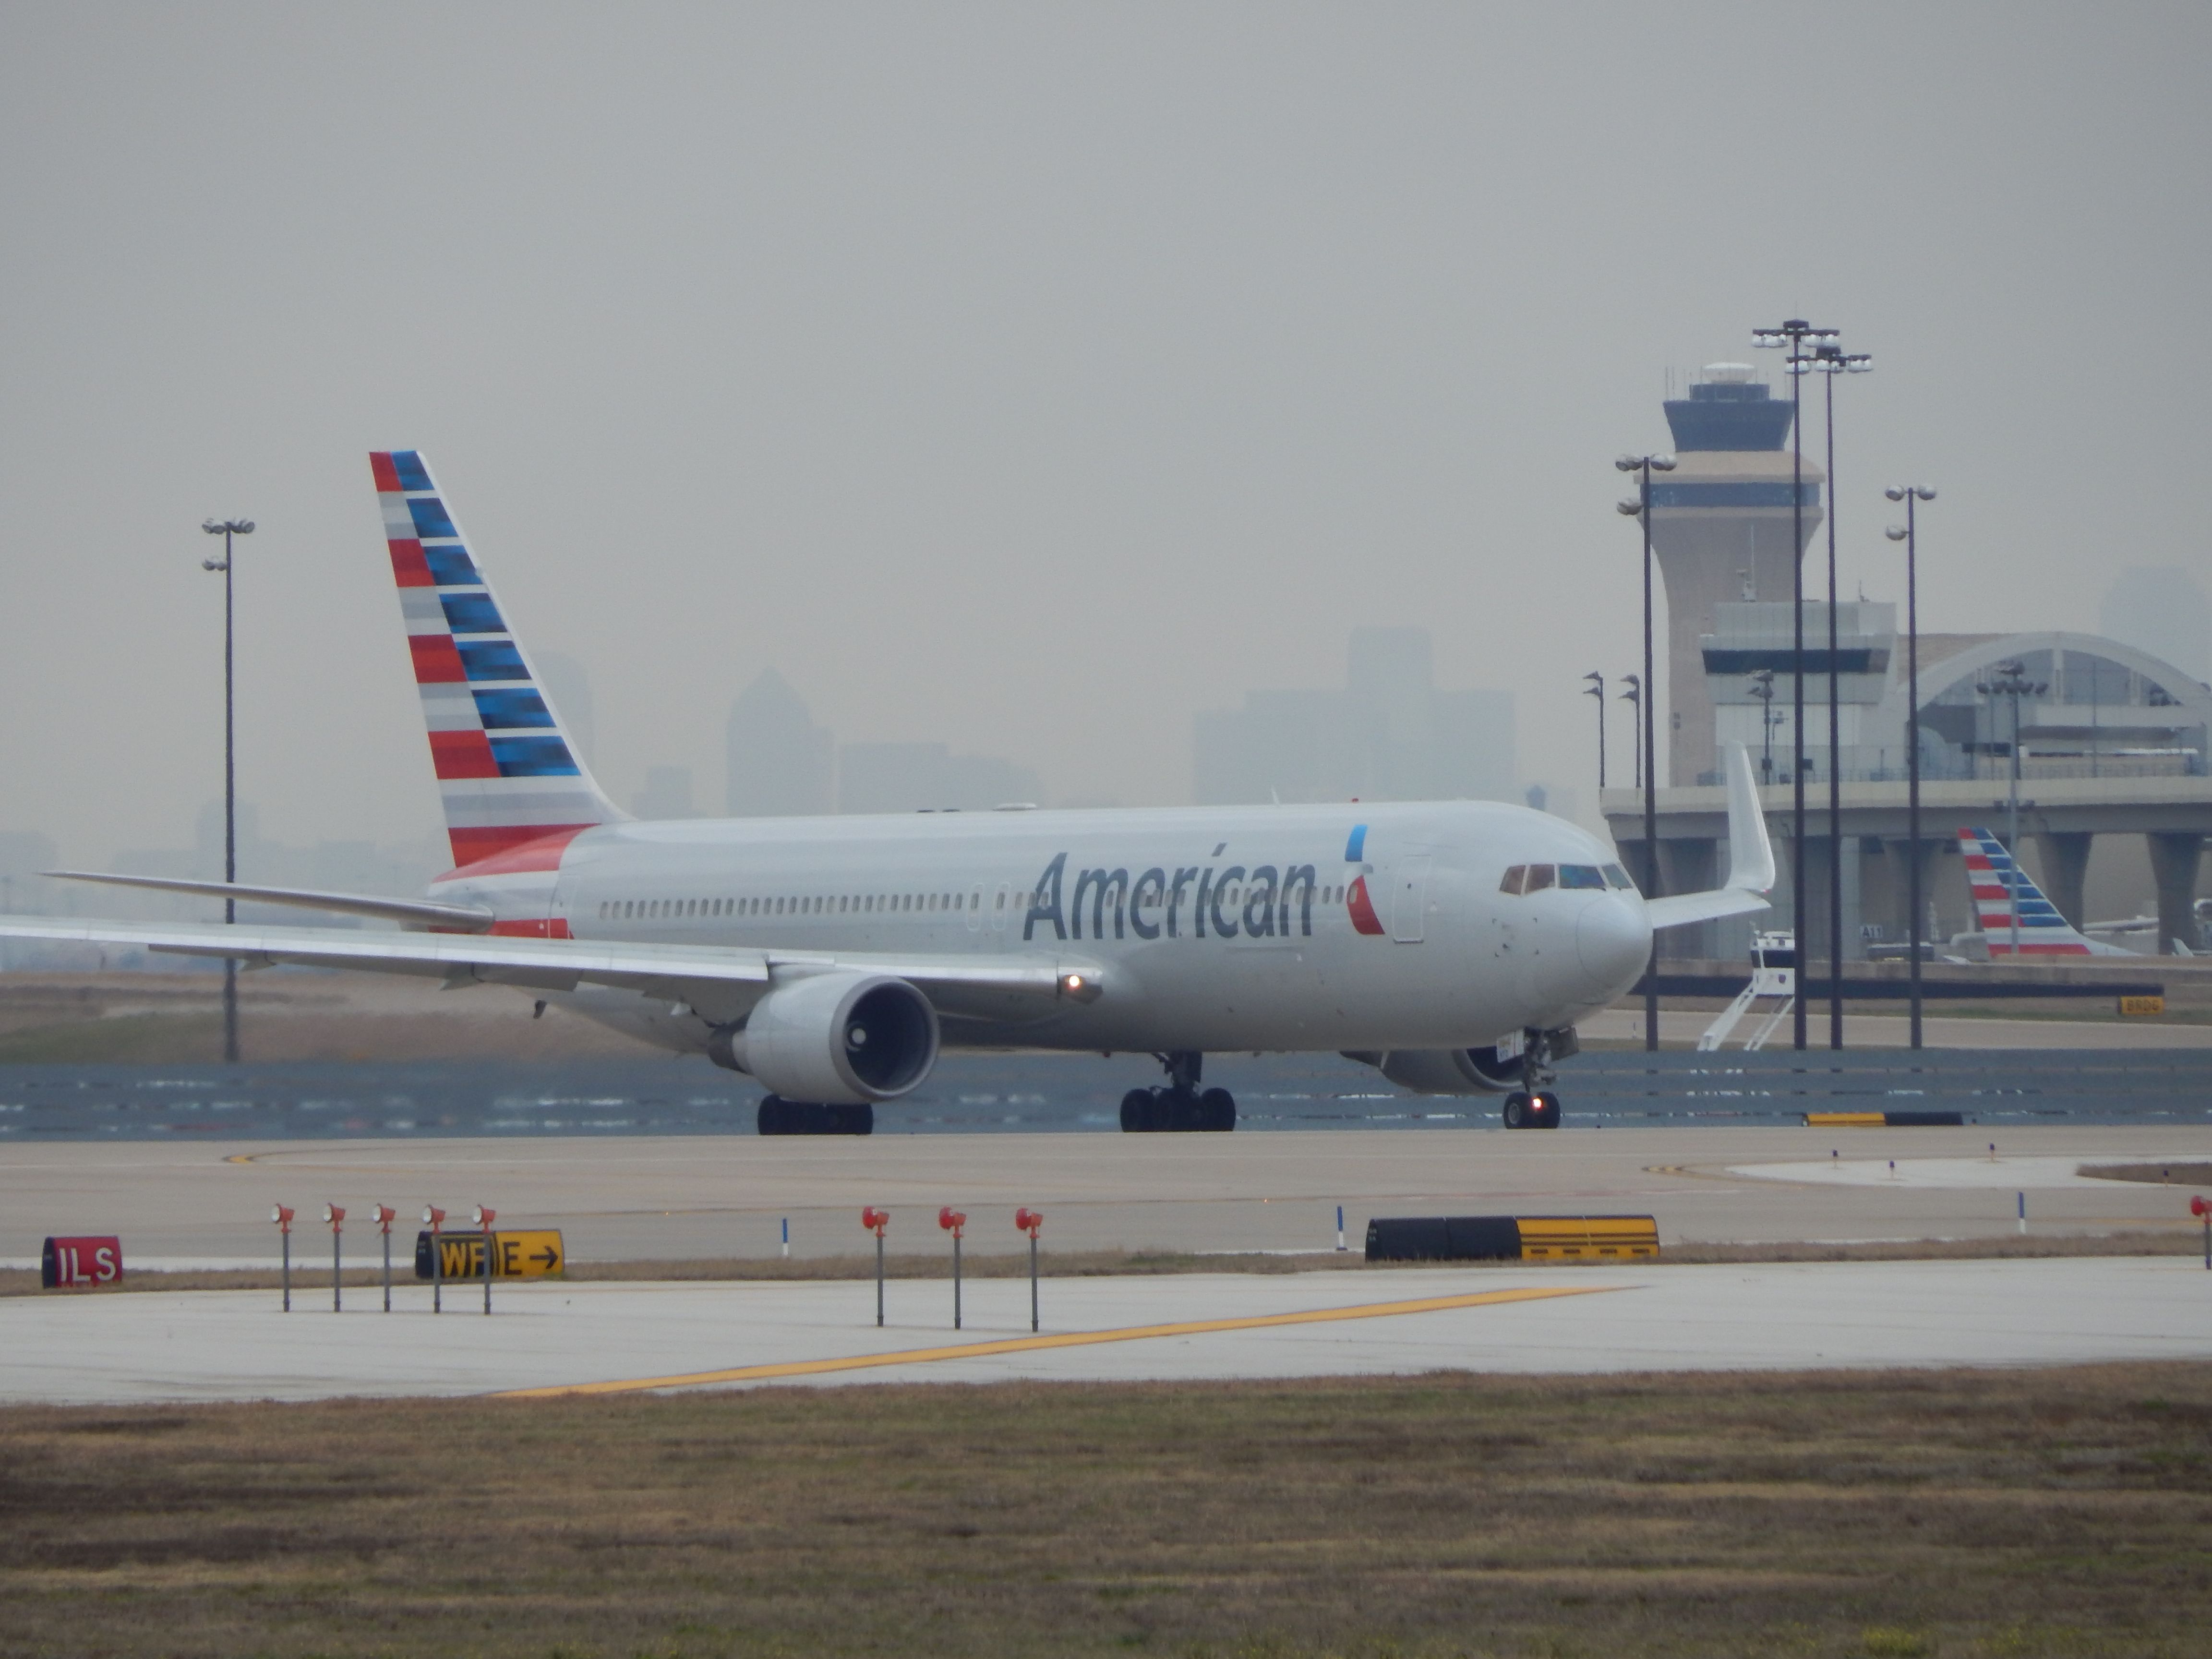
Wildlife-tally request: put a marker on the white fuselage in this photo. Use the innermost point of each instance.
(1209, 928)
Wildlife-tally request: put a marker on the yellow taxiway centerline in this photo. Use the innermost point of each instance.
(1062, 1339)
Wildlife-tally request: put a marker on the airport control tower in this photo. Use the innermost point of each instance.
(1721, 526)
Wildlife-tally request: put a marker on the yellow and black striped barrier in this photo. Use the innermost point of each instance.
(1512, 1238)
(1884, 1120)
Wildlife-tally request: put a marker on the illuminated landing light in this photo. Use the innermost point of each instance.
(1083, 988)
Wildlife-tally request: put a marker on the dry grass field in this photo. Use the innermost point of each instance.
(1954, 1514)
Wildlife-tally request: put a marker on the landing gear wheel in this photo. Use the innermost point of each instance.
(1137, 1113)
(1516, 1113)
(1544, 1110)
(779, 1116)
(1217, 1111)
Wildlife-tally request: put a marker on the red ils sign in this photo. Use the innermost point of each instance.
(70, 1262)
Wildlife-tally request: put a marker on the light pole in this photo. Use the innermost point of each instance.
(1762, 687)
(1640, 510)
(2010, 681)
(1793, 334)
(228, 529)
(1831, 360)
(1911, 495)
(1634, 697)
(1597, 688)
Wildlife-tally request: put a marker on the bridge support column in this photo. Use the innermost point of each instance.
(2065, 856)
(1688, 865)
(2173, 862)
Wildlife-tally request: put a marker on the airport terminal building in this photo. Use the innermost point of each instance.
(2108, 740)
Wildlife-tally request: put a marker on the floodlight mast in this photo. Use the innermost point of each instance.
(228, 529)
(1911, 495)
(1640, 510)
(1831, 360)
(1793, 334)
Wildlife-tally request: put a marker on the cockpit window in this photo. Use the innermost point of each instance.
(1617, 876)
(1513, 878)
(1541, 876)
(1581, 875)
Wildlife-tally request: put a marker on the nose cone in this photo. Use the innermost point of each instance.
(1612, 941)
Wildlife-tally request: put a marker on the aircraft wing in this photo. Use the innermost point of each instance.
(720, 983)
(1751, 858)
(409, 913)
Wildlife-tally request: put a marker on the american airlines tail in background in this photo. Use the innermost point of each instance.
(1452, 944)
(2016, 920)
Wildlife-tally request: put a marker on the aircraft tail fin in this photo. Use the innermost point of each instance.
(1995, 877)
(508, 770)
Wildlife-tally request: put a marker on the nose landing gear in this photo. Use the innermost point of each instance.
(1181, 1107)
(1533, 1105)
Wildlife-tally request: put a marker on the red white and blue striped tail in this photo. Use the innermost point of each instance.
(508, 773)
(1995, 880)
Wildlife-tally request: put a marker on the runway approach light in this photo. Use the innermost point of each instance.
(282, 1217)
(875, 1220)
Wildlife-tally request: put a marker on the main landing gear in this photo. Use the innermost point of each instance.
(779, 1116)
(1181, 1107)
(1533, 1105)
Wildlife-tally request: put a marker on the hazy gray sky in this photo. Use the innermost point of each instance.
(1025, 376)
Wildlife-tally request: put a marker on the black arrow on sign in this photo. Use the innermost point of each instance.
(548, 1256)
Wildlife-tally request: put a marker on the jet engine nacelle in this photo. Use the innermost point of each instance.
(1448, 1071)
(841, 1039)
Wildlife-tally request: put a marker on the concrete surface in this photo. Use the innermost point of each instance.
(236, 1345)
(673, 1197)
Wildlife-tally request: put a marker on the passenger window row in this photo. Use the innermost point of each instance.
(880, 903)
(1534, 878)
(813, 905)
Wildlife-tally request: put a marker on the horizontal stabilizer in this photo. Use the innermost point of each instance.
(412, 913)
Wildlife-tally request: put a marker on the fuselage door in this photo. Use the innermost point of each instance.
(1409, 909)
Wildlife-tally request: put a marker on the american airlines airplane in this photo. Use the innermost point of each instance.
(1453, 946)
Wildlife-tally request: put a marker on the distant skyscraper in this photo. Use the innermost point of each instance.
(666, 794)
(1388, 735)
(907, 777)
(2162, 610)
(780, 760)
(570, 690)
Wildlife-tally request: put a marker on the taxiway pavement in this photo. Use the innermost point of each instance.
(238, 1346)
(671, 1198)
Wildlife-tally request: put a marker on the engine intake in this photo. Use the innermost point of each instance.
(837, 1039)
(1447, 1071)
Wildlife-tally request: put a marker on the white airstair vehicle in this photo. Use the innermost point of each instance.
(1773, 974)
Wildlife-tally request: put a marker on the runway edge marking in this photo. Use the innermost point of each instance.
(1062, 1339)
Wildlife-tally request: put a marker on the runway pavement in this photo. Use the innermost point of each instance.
(237, 1345)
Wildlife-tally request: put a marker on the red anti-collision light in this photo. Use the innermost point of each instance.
(951, 1220)
(875, 1220)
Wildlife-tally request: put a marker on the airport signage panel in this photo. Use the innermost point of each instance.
(68, 1263)
(2138, 1007)
(527, 1254)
